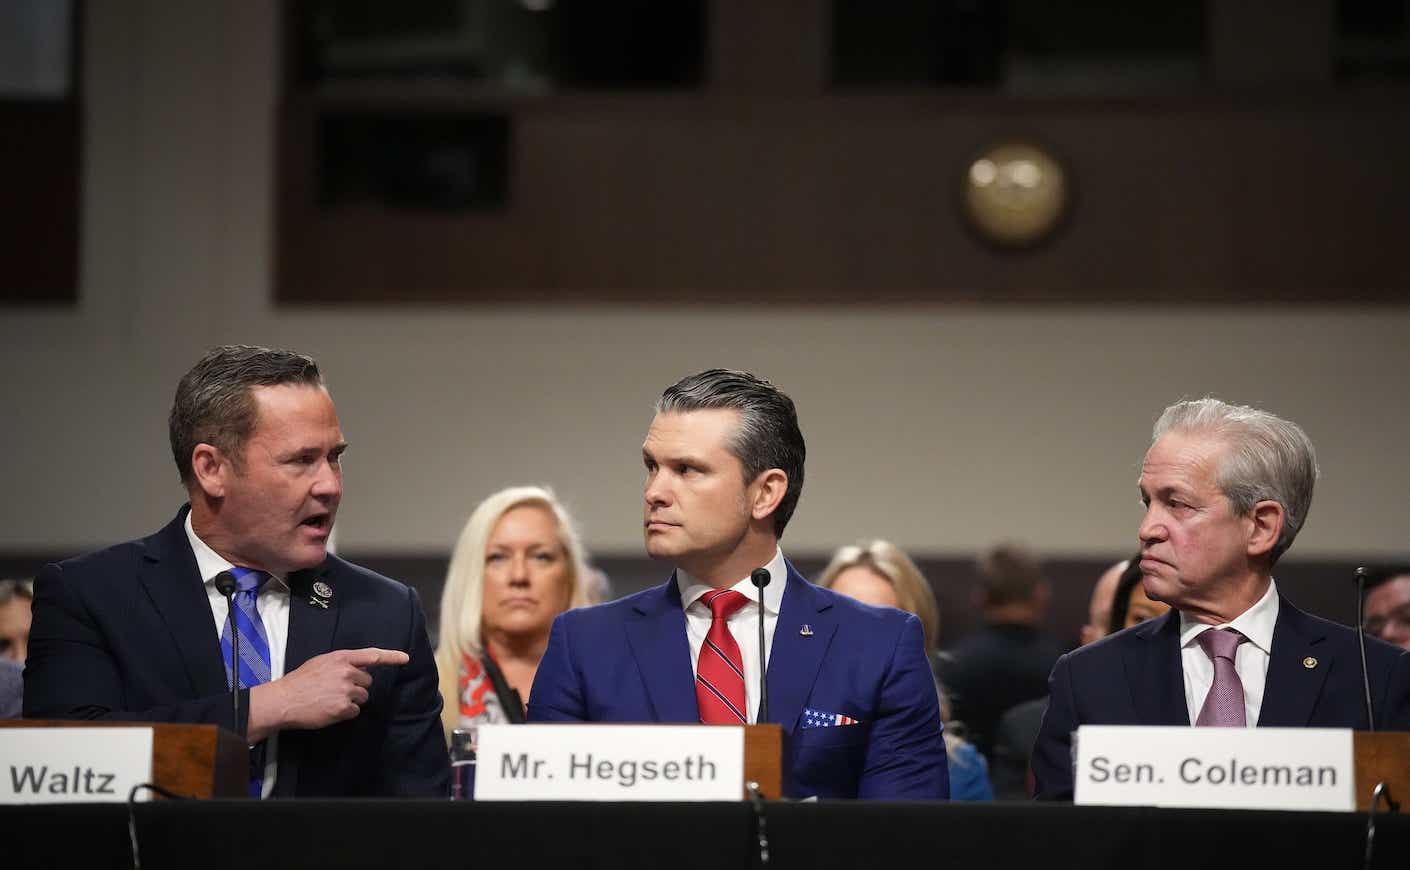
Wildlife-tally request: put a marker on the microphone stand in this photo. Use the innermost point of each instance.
(225, 585)
(760, 578)
(1361, 643)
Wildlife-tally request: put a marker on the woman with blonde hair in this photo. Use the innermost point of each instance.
(517, 564)
(880, 573)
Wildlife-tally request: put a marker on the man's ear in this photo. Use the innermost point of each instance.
(1268, 518)
(769, 488)
(210, 470)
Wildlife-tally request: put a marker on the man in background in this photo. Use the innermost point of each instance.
(16, 598)
(1007, 661)
(1387, 609)
(336, 684)
(1099, 608)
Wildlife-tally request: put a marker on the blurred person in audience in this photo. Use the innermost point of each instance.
(1226, 489)
(849, 684)
(598, 585)
(16, 602)
(1387, 609)
(1099, 607)
(11, 689)
(1017, 729)
(879, 573)
(1007, 660)
(1130, 605)
(517, 564)
(336, 682)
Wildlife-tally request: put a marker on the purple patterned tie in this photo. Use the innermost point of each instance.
(1224, 705)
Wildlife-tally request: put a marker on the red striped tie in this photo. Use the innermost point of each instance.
(719, 672)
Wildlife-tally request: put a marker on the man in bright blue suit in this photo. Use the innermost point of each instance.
(1226, 489)
(849, 683)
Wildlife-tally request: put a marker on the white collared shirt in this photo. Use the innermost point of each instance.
(743, 623)
(273, 604)
(1251, 660)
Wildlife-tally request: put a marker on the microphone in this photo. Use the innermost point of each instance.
(1361, 575)
(225, 585)
(760, 578)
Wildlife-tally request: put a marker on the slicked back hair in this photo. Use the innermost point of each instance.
(1265, 458)
(214, 403)
(768, 435)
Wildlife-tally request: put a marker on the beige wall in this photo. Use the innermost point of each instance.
(944, 428)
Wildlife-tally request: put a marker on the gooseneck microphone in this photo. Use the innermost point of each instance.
(1361, 575)
(225, 585)
(760, 578)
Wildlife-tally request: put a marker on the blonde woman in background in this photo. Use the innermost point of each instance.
(880, 573)
(517, 564)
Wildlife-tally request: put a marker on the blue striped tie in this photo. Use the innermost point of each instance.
(254, 652)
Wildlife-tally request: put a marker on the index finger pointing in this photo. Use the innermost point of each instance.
(372, 656)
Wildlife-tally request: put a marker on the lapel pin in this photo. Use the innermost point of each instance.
(1309, 663)
(322, 593)
(806, 630)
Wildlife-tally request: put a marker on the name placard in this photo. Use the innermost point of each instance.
(593, 762)
(1226, 768)
(73, 765)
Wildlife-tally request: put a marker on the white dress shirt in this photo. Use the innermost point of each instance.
(273, 604)
(1251, 659)
(743, 623)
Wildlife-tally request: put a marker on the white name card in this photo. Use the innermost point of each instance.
(593, 762)
(1226, 768)
(73, 765)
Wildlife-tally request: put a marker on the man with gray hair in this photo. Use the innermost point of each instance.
(336, 687)
(1226, 490)
(850, 684)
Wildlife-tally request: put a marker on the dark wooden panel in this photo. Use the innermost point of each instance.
(39, 174)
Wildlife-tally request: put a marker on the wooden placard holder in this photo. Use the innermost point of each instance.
(200, 761)
(763, 759)
(1382, 756)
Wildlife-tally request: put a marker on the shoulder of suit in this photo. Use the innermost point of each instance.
(1341, 635)
(850, 608)
(338, 571)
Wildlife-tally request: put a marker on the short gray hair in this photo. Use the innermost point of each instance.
(1267, 458)
(213, 403)
(768, 435)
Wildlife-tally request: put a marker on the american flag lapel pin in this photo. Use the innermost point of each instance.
(806, 630)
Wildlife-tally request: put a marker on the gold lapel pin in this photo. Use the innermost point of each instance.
(806, 631)
(1309, 663)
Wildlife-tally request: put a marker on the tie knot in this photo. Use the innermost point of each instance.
(1220, 643)
(724, 602)
(248, 579)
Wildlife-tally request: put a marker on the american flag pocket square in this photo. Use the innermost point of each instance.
(822, 719)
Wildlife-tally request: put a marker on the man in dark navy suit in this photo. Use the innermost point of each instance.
(849, 683)
(337, 689)
(1226, 489)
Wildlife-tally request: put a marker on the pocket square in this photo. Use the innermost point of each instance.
(823, 719)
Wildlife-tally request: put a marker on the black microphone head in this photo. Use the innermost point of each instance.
(225, 583)
(760, 577)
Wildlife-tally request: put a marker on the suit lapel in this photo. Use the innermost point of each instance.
(796, 656)
(311, 628)
(1291, 690)
(311, 623)
(657, 636)
(173, 583)
(1155, 674)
